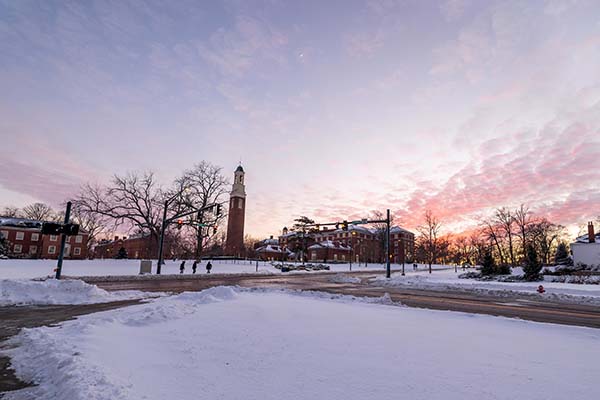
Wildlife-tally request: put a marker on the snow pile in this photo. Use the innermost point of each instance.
(231, 343)
(343, 278)
(52, 291)
(448, 280)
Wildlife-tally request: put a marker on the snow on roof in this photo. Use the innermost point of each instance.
(398, 229)
(269, 248)
(585, 239)
(329, 244)
(20, 223)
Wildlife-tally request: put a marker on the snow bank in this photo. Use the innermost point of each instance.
(52, 291)
(229, 343)
(29, 269)
(448, 280)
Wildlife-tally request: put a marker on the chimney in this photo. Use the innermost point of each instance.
(271, 237)
(591, 235)
(116, 238)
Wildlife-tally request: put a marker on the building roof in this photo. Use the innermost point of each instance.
(239, 168)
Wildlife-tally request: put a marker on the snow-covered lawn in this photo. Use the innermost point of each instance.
(226, 343)
(27, 269)
(52, 291)
(448, 279)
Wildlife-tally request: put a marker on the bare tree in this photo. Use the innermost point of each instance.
(493, 235)
(39, 212)
(506, 221)
(206, 184)
(429, 239)
(522, 217)
(11, 212)
(478, 246)
(133, 200)
(93, 224)
(546, 236)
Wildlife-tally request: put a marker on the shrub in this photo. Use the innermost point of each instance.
(562, 255)
(488, 266)
(532, 266)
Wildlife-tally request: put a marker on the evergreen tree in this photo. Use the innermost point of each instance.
(532, 266)
(3, 246)
(562, 255)
(488, 266)
(122, 253)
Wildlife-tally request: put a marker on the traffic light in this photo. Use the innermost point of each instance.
(51, 228)
(70, 229)
(219, 210)
(179, 223)
(345, 225)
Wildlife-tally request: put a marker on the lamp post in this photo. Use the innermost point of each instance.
(353, 235)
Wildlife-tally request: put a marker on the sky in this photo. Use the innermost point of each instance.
(335, 108)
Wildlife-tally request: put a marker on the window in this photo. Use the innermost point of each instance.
(240, 203)
(4, 234)
(32, 249)
(52, 249)
(53, 238)
(20, 236)
(35, 237)
(68, 239)
(77, 251)
(18, 248)
(78, 239)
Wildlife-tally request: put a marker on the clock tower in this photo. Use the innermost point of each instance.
(234, 245)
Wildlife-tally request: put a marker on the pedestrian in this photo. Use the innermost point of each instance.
(415, 267)
(194, 266)
(182, 267)
(208, 267)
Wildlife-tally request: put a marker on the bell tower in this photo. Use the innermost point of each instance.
(234, 245)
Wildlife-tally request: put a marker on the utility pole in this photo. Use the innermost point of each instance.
(63, 241)
(388, 272)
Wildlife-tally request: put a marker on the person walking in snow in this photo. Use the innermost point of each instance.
(208, 267)
(194, 266)
(182, 267)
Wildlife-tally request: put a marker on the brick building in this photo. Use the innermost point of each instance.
(359, 243)
(25, 240)
(140, 246)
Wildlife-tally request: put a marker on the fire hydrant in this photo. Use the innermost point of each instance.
(541, 289)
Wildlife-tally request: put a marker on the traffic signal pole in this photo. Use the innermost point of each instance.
(388, 271)
(162, 238)
(166, 221)
(63, 241)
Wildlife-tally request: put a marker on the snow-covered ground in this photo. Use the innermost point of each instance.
(52, 291)
(448, 279)
(27, 269)
(226, 343)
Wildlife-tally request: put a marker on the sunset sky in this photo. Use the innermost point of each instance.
(335, 108)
